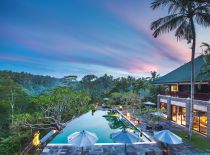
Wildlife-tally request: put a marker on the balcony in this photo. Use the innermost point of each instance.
(186, 94)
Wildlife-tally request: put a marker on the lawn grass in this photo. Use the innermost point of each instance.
(197, 141)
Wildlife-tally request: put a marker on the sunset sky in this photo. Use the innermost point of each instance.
(78, 37)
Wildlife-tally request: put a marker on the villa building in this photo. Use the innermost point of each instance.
(174, 96)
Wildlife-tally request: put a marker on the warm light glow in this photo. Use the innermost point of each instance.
(174, 88)
(137, 122)
(128, 116)
(131, 130)
(200, 121)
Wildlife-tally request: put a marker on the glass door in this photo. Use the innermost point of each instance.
(173, 113)
(183, 116)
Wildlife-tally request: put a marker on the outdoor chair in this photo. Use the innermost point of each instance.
(158, 127)
(148, 127)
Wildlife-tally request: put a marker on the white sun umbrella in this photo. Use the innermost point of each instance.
(149, 103)
(167, 137)
(159, 114)
(125, 137)
(82, 139)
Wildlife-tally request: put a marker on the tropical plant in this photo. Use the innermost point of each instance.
(205, 68)
(207, 48)
(182, 18)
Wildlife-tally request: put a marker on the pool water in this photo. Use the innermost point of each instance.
(100, 122)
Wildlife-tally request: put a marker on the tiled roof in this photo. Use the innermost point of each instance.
(183, 73)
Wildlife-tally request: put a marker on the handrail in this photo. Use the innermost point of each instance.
(186, 94)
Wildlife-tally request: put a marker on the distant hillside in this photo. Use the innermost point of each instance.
(32, 84)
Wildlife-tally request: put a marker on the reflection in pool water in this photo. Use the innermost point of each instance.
(102, 123)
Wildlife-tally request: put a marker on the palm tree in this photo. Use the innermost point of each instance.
(205, 68)
(207, 48)
(183, 14)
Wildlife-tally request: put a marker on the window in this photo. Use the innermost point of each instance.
(174, 88)
(178, 114)
(183, 116)
(200, 121)
(163, 107)
(173, 113)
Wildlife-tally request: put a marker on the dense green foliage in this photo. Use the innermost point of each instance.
(31, 84)
(22, 114)
(25, 108)
(105, 86)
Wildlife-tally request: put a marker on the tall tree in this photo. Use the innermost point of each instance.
(183, 14)
(154, 75)
(56, 108)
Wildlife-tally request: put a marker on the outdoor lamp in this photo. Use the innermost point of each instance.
(136, 122)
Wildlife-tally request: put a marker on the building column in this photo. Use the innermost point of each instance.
(187, 112)
(169, 107)
(158, 102)
(208, 121)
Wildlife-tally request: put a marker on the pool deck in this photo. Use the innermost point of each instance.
(133, 149)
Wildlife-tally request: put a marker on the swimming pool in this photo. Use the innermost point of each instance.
(102, 123)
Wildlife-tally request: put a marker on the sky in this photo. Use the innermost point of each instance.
(79, 37)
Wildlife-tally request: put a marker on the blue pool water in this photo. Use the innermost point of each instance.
(99, 122)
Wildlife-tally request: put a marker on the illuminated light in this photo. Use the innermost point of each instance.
(174, 88)
(128, 116)
(137, 122)
(131, 130)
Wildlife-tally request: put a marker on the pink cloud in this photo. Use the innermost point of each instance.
(143, 68)
(134, 16)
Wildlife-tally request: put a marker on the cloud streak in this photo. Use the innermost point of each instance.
(98, 37)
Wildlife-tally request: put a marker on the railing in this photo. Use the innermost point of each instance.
(186, 94)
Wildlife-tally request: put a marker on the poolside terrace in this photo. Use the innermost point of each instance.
(132, 149)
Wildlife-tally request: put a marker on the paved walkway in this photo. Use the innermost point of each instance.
(102, 150)
(134, 149)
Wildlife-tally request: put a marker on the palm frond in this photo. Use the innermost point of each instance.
(184, 31)
(173, 5)
(177, 6)
(202, 8)
(166, 24)
(159, 3)
(207, 50)
(203, 19)
(205, 44)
